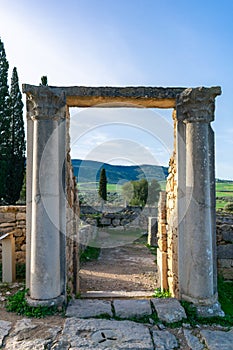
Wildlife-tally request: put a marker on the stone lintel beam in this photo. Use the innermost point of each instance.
(197, 104)
(138, 96)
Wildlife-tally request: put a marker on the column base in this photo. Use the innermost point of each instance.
(210, 310)
(59, 301)
(208, 307)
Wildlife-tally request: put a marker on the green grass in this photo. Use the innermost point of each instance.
(225, 293)
(18, 303)
(90, 253)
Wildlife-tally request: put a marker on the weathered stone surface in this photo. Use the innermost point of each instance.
(216, 340)
(228, 234)
(88, 308)
(132, 308)
(210, 310)
(192, 341)
(164, 340)
(169, 310)
(225, 251)
(104, 334)
(5, 327)
(82, 96)
(29, 335)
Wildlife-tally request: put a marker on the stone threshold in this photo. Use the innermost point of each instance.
(116, 294)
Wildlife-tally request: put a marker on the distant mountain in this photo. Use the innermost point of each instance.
(89, 171)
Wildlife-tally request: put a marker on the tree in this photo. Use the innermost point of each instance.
(140, 192)
(4, 121)
(153, 192)
(44, 80)
(17, 145)
(103, 185)
(127, 191)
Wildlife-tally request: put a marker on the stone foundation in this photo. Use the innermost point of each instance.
(225, 245)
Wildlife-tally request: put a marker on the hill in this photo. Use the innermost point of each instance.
(89, 171)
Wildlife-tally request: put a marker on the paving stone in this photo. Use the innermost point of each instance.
(105, 334)
(169, 310)
(164, 340)
(84, 308)
(5, 327)
(216, 340)
(132, 308)
(28, 335)
(192, 341)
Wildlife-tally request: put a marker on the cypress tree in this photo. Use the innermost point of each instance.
(4, 122)
(17, 146)
(103, 185)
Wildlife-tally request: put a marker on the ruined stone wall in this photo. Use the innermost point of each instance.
(72, 222)
(167, 228)
(172, 238)
(132, 216)
(13, 220)
(224, 226)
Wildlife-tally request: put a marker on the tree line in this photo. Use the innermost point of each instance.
(12, 135)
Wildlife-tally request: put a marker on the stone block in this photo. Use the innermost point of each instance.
(7, 217)
(228, 235)
(162, 267)
(20, 216)
(132, 308)
(105, 334)
(162, 244)
(84, 308)
(216, 340)
(228, 263)
(105, 221)
(164, 340)
(169, 310)
(225, 251)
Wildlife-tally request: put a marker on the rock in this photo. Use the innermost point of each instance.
(82, 308)
(169, 310)
(104, 334)
(192, 341)
(164, 340)
(28, 335)
(132, 308)
(216, 340)
(5, 327)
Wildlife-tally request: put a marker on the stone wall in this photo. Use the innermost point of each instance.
(132, 216)
(167, 254)
(172, 238)
(72, 222)
(224, 227)
(13, 220)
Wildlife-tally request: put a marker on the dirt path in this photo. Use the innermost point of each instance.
(127, 268)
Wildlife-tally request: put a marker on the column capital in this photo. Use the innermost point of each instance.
(44, 103)
(197, 104)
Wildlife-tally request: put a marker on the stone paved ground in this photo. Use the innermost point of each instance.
(79, 330)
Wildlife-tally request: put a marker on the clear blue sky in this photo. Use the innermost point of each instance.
(126, 42)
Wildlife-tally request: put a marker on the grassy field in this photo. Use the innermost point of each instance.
(224, 193)
(224, 190)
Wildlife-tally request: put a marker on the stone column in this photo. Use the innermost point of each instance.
(197, 273)
(46, 111)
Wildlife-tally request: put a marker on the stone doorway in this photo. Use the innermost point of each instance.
(190, 258)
